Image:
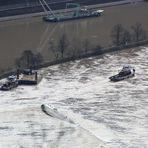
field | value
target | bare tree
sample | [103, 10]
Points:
[37, 60]
[62, 45]
[76, 52]
[76, 49]
[126, 38]
[28, 60]
[17, 63]
[117, 34]
[53, 49]
[25, 60]
[98, 49]
[2, 71]
[139, 33]
[86, 45]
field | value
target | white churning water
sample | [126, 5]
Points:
[104, 113]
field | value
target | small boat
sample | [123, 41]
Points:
[126, 72]
[11, 83]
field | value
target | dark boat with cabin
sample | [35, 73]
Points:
[126, 72]
[10, 83]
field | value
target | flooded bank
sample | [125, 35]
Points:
[34, 34]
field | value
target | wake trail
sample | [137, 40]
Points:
[102, 133]
[96, 129]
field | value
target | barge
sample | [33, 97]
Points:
[22, 77]
[27, 77]
[73, 16]
[73, 11]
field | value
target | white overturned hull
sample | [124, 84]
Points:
[51, 111]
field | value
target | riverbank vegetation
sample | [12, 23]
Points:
[64, 49]
[121, 38]
[29, 60]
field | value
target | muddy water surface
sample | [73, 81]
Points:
[34, 34]
[115, 114]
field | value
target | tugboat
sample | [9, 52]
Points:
[126, 72]
[11, 83]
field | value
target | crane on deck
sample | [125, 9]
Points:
[47, 8]
[72, 11]
[73, 5]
